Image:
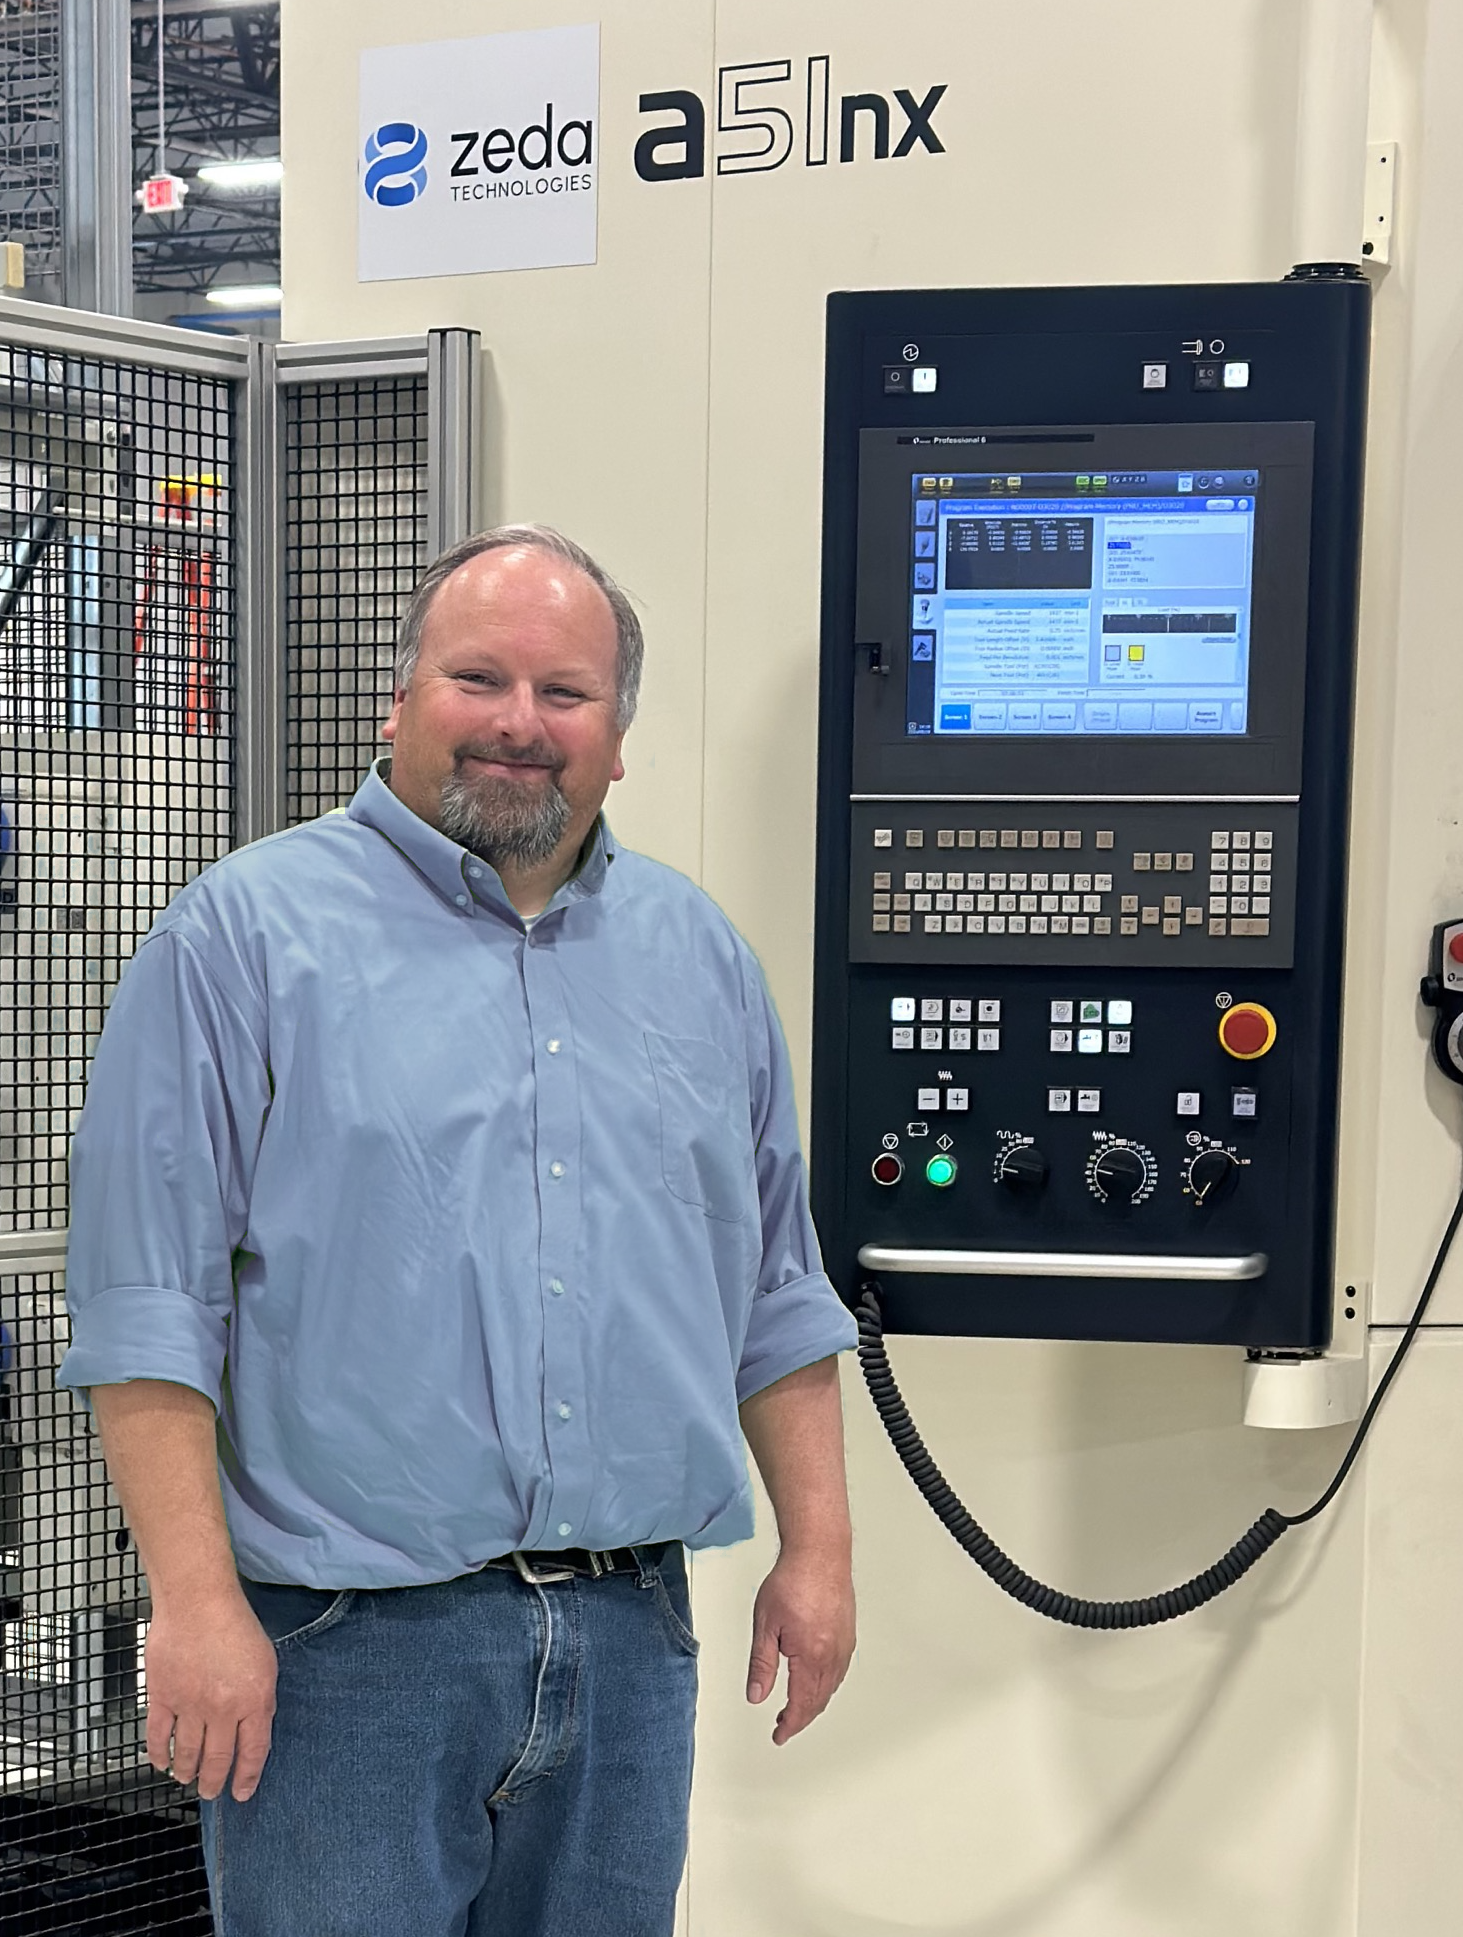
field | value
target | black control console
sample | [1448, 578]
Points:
[1088, 639]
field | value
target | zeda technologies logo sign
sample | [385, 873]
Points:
[396, 164]
[478, 154]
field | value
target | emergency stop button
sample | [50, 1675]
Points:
[1455, 946]
[1247, 1031]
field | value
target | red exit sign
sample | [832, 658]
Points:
[163, 194]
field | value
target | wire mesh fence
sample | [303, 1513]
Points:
[355, 544]
[117, 655]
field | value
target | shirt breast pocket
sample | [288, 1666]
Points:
[705, 1130]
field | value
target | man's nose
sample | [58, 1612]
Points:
[516, 712]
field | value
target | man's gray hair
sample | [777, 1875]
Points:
[629, 639]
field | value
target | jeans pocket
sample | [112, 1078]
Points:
[290, 1614]
[673, 1600]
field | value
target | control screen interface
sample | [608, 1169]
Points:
[1074, 602]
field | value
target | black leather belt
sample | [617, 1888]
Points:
[547, 1565]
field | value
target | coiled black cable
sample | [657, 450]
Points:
[1075, 1612]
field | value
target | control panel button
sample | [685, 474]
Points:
[1189, 1103]
[1089, 1102]
[959, 1010]
[932, 1009]
[927, 1100]
[1119, 1042]
[1089, 1042]
[940, 1171]
[932, 1039]
[1120, 1014]
[887, 1169]
[901, 1009]
[1061, 1042]
[1059, 1102]
[1244, 1103]
[1247, 1031]
[989, 1011]
[987, 1039]
[960, 1039]
[957, 1099]
[901, 1039]
[1062, 1011]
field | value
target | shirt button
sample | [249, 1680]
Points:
[461, 900]
[565, 1529]
[553, 1045]
[556, 1286]
[566, 1412]
[556, 1170]
[476, 873]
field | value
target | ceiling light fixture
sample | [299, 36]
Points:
[245, 295]
[260, 172]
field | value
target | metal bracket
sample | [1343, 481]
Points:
[1378, 204]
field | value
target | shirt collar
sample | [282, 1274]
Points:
[453, 871]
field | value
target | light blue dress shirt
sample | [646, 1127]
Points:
[475, 1232]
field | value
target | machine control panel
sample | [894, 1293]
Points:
[1173, 885]
[1086, 702]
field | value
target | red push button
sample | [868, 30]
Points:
[1247, 1031]
[1455, 947]
[887, 1169]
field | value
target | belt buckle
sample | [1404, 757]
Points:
[540, 1576]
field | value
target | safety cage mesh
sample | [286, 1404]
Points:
[355, 544]
[117, 655]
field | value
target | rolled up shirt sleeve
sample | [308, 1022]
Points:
[797, 1316]
[160, 1164]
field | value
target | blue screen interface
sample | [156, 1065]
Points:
[1078, 602]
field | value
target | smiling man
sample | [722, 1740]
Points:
[439, 1229]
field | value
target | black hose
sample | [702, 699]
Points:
[1075, 1612]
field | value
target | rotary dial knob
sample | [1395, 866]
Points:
[1022, 1169]
[1122, 1173]
[1211, 1175]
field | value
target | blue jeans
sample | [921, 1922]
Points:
[482, 1758]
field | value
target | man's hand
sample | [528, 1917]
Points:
[804, 1607]
[210, 1695]
[804, 1610]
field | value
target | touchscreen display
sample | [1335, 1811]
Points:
[1076, 602]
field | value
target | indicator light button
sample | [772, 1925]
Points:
[1247, 1031]
[887, 1168]
[940, 1171]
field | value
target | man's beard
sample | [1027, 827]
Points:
[503, 820]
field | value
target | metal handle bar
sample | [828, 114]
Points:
[1061, 1264]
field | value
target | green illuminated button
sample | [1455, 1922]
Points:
[940, 1171]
